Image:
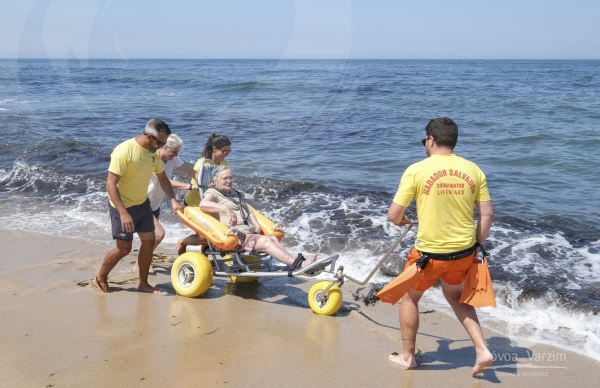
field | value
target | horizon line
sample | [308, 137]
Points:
[308, 59]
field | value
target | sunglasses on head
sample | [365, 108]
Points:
[425, 140]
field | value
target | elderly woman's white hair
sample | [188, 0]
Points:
[174, 142]
[216, 173]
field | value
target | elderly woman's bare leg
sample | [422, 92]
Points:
[273, 247]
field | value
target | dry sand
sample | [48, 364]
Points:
[58, 331]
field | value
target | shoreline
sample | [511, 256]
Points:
[59, 330]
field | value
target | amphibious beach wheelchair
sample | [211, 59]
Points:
[192, 273]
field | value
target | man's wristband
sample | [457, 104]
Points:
[191, 186]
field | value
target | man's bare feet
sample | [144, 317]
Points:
[148, 288]
[482, 363]
[136, 268]
[102, 286]
[309, 261]
[181, 249]
[407, 362]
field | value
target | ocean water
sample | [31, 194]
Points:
[320, 146]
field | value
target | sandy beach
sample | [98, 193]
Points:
[58, 331]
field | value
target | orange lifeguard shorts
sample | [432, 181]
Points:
[452, 272]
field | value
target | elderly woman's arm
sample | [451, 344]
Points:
[208, 205]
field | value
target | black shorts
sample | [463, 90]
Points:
[143, 220]
[156, 213]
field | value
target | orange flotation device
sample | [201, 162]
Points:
[221, 235]
[268, 227]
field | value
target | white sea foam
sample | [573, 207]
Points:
[23, 176]
[531, 253]
[88, 220]
[55, 221]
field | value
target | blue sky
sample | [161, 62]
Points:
[288, 29]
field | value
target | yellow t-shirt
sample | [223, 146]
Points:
[135, 165]
[446, 188]
[192, 197]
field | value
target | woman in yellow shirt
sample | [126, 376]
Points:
[216, 149]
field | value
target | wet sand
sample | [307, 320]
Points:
[57, 330]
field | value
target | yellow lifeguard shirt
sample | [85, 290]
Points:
[135, 165]
[446, 188]
[192, 197]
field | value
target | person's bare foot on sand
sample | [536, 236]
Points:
[482, 363]
[309, 261]
[102, 286]
[181, 249]
[136, 268]
[148, 288]
[408, 363]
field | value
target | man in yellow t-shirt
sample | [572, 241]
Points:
[131, 166]
[446, 188]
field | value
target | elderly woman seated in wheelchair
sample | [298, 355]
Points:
[228, 206]
[228, 227]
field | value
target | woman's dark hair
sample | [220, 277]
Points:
[214, 140]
